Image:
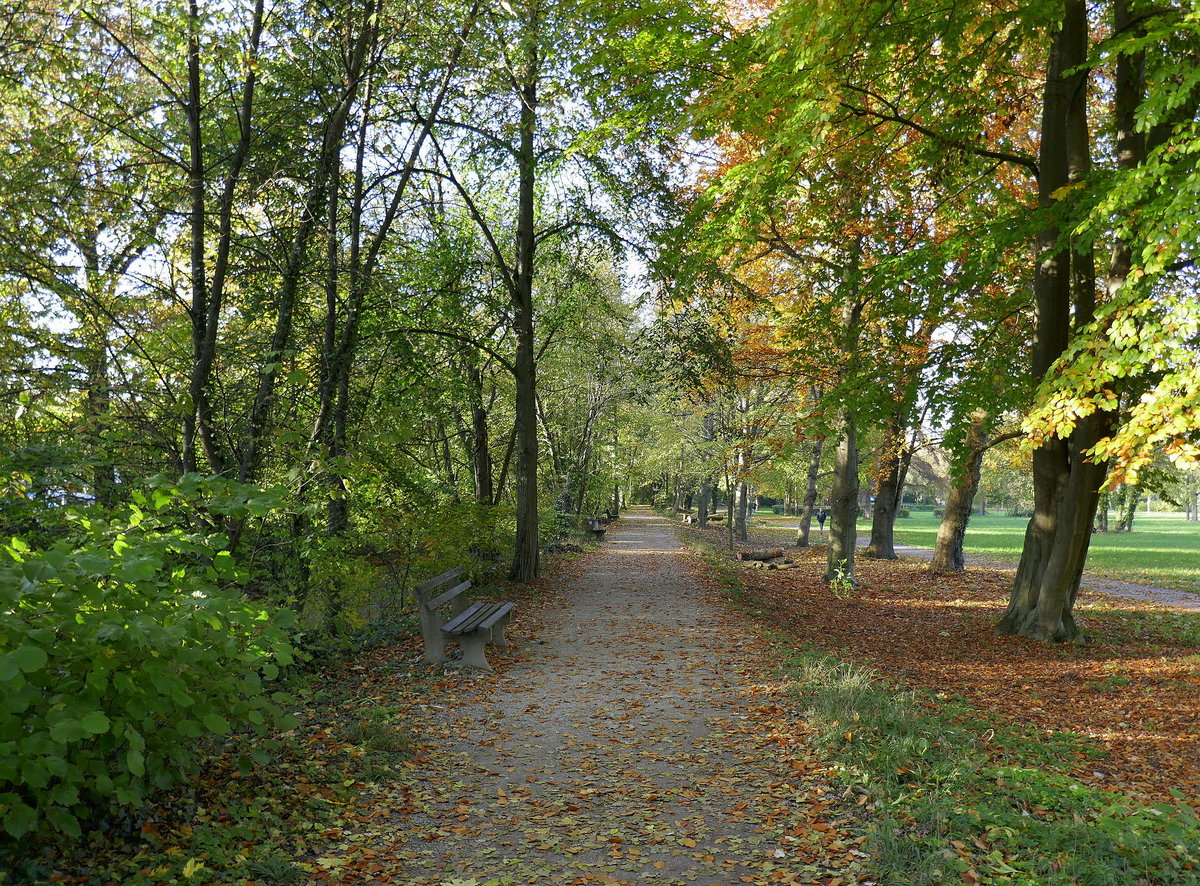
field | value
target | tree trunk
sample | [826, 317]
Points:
[741, 509]
[481, 455]
[888, 489]
[729, 504]
[443, 446]
[948, 551]
[208, 294]
[810, 493]
[502, 480]
[1066, 485]
[703, 497]
[843, 511]
[1129, 504]
[340, 347]
[95, 332]
[1052, 296]
[316, 202]
[525, 565]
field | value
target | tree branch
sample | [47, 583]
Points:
[896, 117]
[465, 339]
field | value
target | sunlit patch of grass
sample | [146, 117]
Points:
[960, 798]
[1163, 549]
[1149, 626]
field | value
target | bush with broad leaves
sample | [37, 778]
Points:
[123, 647]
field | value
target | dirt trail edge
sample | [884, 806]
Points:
[637, 743]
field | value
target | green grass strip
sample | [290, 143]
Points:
[958, 798]
[1163, 550]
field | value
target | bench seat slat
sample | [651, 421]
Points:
[474, 620]
[505, 609]
[478, 616]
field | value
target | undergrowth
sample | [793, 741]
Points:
[958, 797]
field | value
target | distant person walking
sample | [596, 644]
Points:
[821, 515]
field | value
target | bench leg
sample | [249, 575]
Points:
[435, 640]
[473, 647]
[498, 638]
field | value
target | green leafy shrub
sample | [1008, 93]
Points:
[122, 647]
[904, 513]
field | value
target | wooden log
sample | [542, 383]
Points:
[760, 555]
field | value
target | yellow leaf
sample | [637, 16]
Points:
[190, 869]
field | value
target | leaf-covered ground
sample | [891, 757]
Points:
[632, 739]
[638, 731]
[1134, 688]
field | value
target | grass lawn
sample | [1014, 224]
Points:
[1162, 550]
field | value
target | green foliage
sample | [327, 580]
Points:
[125, 645]
[841, 584]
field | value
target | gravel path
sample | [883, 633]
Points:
[638, 743]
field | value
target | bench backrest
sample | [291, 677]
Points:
[425, 589]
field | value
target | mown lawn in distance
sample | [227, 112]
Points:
[1162, 550]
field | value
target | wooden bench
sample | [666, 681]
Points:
[473, 625]
[597, 526]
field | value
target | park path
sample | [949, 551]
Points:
[1094, 583]
[633, 739]
[1115, 587]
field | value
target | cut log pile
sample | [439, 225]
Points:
[771, 559]
[775, 554]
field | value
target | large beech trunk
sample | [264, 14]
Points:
[1066, 484]
[1028, 610]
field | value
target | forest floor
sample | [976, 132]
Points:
[1133, 687]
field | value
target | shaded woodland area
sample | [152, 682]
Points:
[306, 302]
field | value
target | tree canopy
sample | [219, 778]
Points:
[297, 293]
